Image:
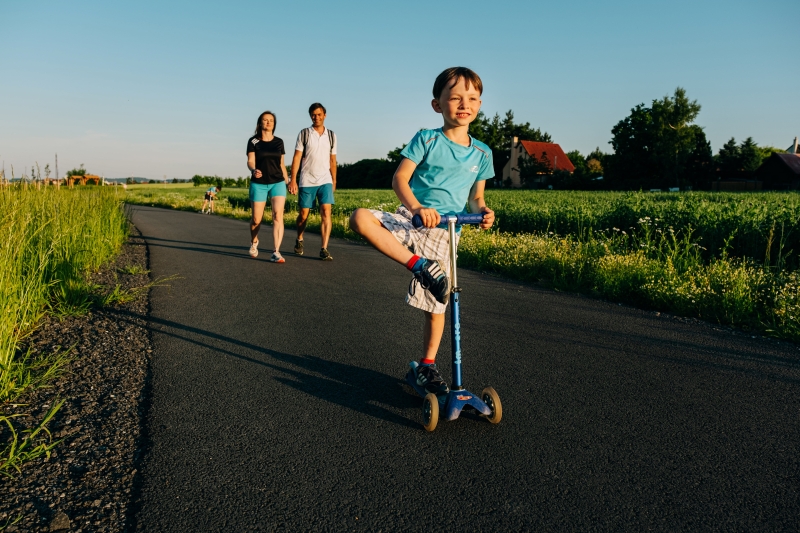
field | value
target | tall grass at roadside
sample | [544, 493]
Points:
[51, 239]
[724, 257]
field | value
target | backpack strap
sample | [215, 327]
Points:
[304, 140]
[330, 138]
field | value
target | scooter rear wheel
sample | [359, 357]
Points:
[490, 398]
[430, 411]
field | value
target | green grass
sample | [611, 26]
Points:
[51, 240]
[759, 226]
[730, 258]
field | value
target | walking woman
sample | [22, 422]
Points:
[267, 182]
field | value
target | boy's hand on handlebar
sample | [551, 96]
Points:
[488, 218]
[430, 217]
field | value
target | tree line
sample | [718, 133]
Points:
[655, 146]
[217, 181]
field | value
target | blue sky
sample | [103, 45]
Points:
[174, 88]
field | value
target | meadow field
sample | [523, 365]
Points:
[730, 258]
[51, 240]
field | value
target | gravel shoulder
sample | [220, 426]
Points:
[87, 484]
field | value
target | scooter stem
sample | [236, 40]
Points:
[455, 319]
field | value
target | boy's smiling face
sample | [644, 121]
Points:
[458, 104]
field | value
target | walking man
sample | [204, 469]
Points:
[314, 174]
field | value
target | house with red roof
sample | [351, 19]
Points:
[549, 153]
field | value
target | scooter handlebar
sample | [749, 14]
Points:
[470, 218]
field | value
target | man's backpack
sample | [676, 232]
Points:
[304, 138]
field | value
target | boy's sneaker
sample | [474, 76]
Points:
[325, 255]
[433, 279]
[298, 247]
[254, 248]
[277, 258]
[428, 378]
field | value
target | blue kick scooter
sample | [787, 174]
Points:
[452, 403]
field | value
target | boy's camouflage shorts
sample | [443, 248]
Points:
[430, 243]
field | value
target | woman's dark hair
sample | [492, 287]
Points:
[315, 106]
[258, 124]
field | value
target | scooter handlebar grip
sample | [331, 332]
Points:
[471, 218]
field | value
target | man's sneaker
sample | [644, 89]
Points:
[277, 258]
[428, 378]
[298, 247]
[325, 255]
[254, 248]
[433, 279]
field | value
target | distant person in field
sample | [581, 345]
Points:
[208, 200]
[268, 179]
[441, 172]
[314, 174]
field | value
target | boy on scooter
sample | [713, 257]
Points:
[441, 171]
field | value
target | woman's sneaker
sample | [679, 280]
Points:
[428, 378]
[433, 279]
[277, 258]
[325, 255]
[254, 248]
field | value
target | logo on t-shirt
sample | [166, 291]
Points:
[474, 169]
[254, 141]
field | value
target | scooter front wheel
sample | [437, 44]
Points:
[490, 398]
[430, 411]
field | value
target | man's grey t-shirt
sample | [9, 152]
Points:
[315, 167]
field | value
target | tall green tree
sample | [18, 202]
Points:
[577, 160]
[653, 145]
[751, 155]
[729, 157]
[699, 169]
[744, 157]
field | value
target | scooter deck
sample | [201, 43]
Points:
[452, 403]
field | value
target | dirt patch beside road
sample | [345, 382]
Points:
[88, 482]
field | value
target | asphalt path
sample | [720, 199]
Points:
[278, 403]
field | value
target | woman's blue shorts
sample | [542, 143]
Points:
[262, 193]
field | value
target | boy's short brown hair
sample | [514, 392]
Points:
[456, 73]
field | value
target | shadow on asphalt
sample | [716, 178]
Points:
[240, 247]
[210, 250]
[357, 388]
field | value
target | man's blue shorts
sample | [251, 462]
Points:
[261, 193]
[323, 194]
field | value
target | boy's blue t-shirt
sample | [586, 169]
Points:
[446, 170]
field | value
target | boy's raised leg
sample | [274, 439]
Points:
[428, 272]
[363, 222]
